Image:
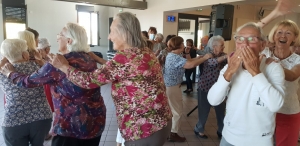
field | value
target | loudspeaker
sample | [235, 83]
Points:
[13, 3]
[221, 19]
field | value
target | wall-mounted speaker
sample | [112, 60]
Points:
[221, 20]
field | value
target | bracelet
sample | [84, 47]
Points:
[186, 53]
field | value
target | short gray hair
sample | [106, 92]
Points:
[13, 49]
[252, 25]
[159, 35]
[78, 36]
[213, 41]
[43, 43]
[129, 29]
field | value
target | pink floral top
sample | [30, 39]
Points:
[138, 91]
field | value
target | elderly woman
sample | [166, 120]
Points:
[44, 48]
[158, 45]
[254, 87]
[138, 89]
[79, 113]
[163, 53]
[284, 34]
[173, 73]
[210, 73]
[27, 117]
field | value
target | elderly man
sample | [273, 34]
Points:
[254, 87]
[204, 49]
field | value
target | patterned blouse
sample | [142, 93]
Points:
[173, 70]
[79, 113]
[210, 72]
[138, 91]
[24, 105]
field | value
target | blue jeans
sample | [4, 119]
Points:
[203, 111]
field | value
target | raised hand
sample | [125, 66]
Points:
[59, 61]
[234, 62]
[284, 7]
[7, 69]
[251, 61]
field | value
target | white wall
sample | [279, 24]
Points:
[154, 14]
[48, 17]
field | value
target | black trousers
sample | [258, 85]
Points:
[70, 141]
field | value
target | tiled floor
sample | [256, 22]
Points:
[189, 102]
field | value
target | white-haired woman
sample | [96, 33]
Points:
[209, 75]
[80, 114]
[27, 116]
[138, 90]
[158, 45]
[44, 48]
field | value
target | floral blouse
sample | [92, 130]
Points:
[138, 91]
[79, 113]
[23, 105]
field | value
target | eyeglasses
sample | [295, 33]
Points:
[59, 36]
[286, 33]
[251, 39]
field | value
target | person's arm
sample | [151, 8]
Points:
[216, 61]
[218, 92]
[293, 74]
[195, 62]
[283, 7]
[97, 59]
[271, 88]
[46, 74]
[111, 71]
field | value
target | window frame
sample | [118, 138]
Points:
[4, 16]
[98, 35]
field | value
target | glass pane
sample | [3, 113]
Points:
[84, 20]
[94, 27]
[12, 29]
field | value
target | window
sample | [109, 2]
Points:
[14, 20]
[89, 20]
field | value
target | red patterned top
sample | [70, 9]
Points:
[138, 91]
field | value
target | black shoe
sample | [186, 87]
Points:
[189, 91]
[219, 134]
[185, 91]
[201, 136]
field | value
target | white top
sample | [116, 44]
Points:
[291, 101]
[251, 104]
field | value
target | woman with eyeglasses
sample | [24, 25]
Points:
[80, 114]
[284, 35]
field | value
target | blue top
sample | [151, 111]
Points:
[173, 70]
[24, 105]
[79, 113]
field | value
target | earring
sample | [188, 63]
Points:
[292, 44]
